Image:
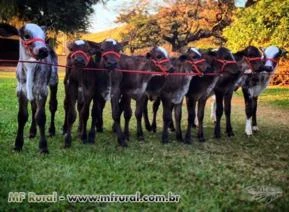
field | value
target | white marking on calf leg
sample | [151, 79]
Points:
[196, 121]
[29, 84]
[213, 109]
[255, 128]
[248, 129]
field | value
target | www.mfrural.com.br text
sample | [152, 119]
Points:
[54, 197]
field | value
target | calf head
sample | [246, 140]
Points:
[198, 61]
[32, 39]
[223, 61]
[249, 59]
[110, 54]
[160, 60]
[272, 55]
[82, 52]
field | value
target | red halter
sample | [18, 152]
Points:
[82, 53]
[114, 53]
[252, 59]
[159, 64]
[29, 42]
[196, 69]
[224, 63]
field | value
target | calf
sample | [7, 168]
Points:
[134, 85]
[200, 88]
[82, 55]
[256, 81]
[230, 72]
[172, 93]
[33, 80]
[106, 87]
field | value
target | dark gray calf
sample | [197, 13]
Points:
[33, 80]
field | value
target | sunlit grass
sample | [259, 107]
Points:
[210, 176]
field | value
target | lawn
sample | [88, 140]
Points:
[236, 174]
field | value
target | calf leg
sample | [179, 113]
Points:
[191, 104]
[65, 104]
[84, 114]
[99, 119]
[52, 107]
[227, 101]
[156, 105]
[40, 118]
[178, 117]
[33, 128]
[254, 117]
[22, 119]
[201, 110]
[91, 134]
[219, 113]
[167, 118]
[71, 98]
[116, 118]
[249, 111]
[126, 105]
[146, 116]
[138, 115]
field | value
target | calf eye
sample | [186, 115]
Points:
[159, 57]
[26, 36]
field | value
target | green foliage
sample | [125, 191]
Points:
[58, 15]
[265, 23]
[177, 23]
[210, 176]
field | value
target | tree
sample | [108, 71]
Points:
[142, 29]
[262, 24]
[179, 22]
[58, 15]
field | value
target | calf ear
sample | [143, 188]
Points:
[239, 55]
[93, 47]
[283, 52]
[44, 28]
[183, 57]
[71, 46]
[124, 43]
[148, 55]
[7, 30]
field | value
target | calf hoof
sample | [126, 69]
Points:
[32, 133]
[99, 130]
[44, 151]
[154, 127]
[17, 149]
[188, 139]
[91, 138]
[148, 127]
[122, 143]
[165, 141]
[202, 139]
[179, 138]
[51, 131]
[113, 128]
[172, 129]
[230, 134]
[255, 128]
[67, 141]
[140, 138]
[64, 130]
[217, 136]
[126, 137]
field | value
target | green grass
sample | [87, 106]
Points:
[210, 176]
